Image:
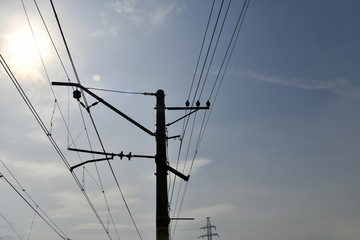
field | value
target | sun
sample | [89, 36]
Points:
[22, 49]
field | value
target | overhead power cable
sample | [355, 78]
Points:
[201, 48]
[118, 91]
[75, 72]
[35, 209]
[192, 83]
[186, 121]
[214, 51]
[32, 224]
[207, 52]
[11, 226]
[92, 119]
[226, 58]
[51, 39]
[31, 199]
[51, 139]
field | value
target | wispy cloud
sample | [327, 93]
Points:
[145, 15]
[187, 166]
[215, 210]
[339, 85]
[41, 171]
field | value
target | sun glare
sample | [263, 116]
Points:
[23, 51]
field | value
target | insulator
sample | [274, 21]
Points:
[208, 103]
[198, 103]
[187, 103]
[77, 94]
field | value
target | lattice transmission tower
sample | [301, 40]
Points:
[208, 228]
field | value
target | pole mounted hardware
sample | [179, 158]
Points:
[195, 109]
[111, 156]
[162, 166]
[89, 161]
[69, 84]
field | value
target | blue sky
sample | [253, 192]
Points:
[279, 156]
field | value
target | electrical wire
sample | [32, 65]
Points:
[206, 117]
[192, 83]
[231, 43]
[32, 224]
[207, 52]
[46, 72]
[201, 48]
[49, 132]
[86, 105]
[222, 78]
[236, 29]
[214, 51]
[51, 39]
[35, 209]
[186, 121]
[118, 91]
[51, 139]
[29, 197]
[11, 226]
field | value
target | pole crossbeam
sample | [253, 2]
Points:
[162, 167]
[105, 103]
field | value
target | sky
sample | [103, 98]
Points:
[278, 157]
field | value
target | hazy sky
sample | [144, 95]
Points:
[279, 157]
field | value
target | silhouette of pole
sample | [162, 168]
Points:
[162, 211]
[162, 167]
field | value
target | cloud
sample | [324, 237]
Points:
[145, 15]
[339, 85]
[214, 210]
[40, 170]
[186, 167]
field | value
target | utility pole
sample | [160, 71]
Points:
[162, 211]
[162, 167]
[208, 229]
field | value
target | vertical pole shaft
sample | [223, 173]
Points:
[162, 212]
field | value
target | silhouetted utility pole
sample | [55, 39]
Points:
[162, 211]
[162, 167]
[208, 230]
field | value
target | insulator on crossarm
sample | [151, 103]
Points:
[198, 103]
[208, 103]
[77, 94]
[187, 103]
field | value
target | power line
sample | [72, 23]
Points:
[201, 48]
[118, 91]
[193, 101]
[247, 2]
[35, 209]
[74, 69]
[208, 50]
[237, 28]
[51, 139]
[214, 51]
[11, 226]
[32, 224]
[32, 200]
[205, 118]
[51, 39]
[92, 120]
